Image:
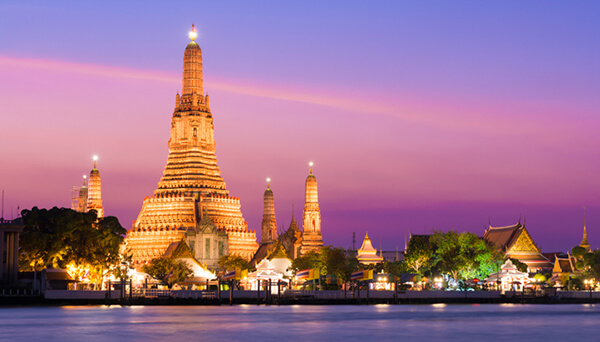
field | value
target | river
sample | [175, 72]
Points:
[438, 322]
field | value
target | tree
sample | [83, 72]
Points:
[328, 260]
[579, 252]
[592, 264]
[306, 261]
[167, 269]
[62, 237]
[521, 266]
[233, 262]
[419, 254]
[447, 257]
[464, 255]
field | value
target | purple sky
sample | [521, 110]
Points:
[418, 116]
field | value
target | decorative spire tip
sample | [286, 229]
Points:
[193, 34]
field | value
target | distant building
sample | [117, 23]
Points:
[291, 239]
[392, 256]
[95, 191]
[515, 242]
[584, 241]
[89, 197]
[9, 250]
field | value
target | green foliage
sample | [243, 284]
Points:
[540, 278]
[160, 268]
[464, 255]
[233, 262]
[575, 284]
[419, 254]
[578, 252]
[309, 260]
[592, 264]
[60, 236]
[521, 266]
[328, 260]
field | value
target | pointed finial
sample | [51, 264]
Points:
[193, 34]
[95, 162]
[311, 167]
[84, 177]
[268, 183]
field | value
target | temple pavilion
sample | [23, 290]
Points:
[510, 278]
[516, 242]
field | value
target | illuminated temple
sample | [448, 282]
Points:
[516, 242]
[191, 185]
[86, 198]
[312, 239]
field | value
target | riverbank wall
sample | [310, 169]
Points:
[291, 297]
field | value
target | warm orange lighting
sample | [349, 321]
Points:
[193, 34]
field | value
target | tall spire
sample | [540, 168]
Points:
[312, 239]
[584, 242]
[94, 200]
[83, 196]
[269, 224]
[192, 68]
[191, 187]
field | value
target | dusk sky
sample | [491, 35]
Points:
[417, 115]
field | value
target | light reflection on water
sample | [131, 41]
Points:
[300, 323]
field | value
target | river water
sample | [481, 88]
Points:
[438, 322]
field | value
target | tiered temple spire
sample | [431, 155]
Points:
[269, 223]
[191, 183]
[584, 242]
[311, 229]
[95, 191]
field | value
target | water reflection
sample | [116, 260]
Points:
[299, 323]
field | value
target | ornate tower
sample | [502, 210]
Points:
[367, 254]
[191, 183]
[584, 242]
[83, 196]
[269, 224]
[94, 191]
[311, 228]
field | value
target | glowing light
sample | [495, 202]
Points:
[193, 34]
[95, 158]
[84, 176]
[311, 164]
[268, 180]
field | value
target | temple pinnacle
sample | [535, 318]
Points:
[95, 162]
[311, 167]
[268, 183]
[193, 34]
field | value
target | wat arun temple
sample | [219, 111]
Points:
[192, 203]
